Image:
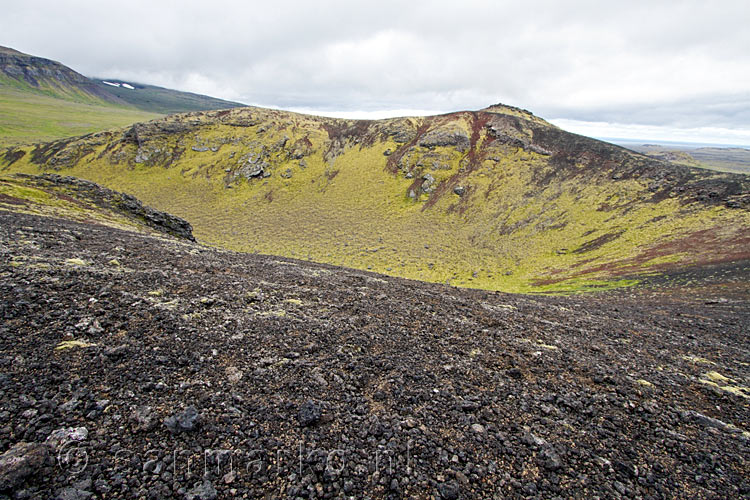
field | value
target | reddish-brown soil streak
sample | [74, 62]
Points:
[698, 247]
[392, 163]
[473, 159]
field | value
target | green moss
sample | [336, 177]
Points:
[75, 262]
[73, 344]
[717, 377]
[726, 384]
[24, 193]
[27, 117]
[275, 313]
[346, 207]
[698, 360]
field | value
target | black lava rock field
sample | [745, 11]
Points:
[142, 366]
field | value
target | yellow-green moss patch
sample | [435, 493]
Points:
[73, 344]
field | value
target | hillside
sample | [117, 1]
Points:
[42, 100]
[497, 199]
[139, 365]
[160, 100]
[29, 73]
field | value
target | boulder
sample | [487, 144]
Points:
[446, 137]
[19, 462]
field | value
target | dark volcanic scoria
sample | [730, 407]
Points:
[134, 366]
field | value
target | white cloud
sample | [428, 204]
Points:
[654, 133]
[675, 64]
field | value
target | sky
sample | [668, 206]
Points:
[651, 70]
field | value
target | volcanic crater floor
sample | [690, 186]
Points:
[135, 366]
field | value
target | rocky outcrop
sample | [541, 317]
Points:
[446, 137]
[125, 203]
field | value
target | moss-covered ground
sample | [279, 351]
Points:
[470, 199]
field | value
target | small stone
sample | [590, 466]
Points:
[153, 466]
[117, 352]
[65, 434]
[95, 328]
[410, 423]
[144, 418]
[478, 428]
[530, 488]
[448, 491]
[317, 376]
[205, 491]
[234, 374]
[459, 190]
[625, 468]
[309, 413]
[30, 413]
[550, 459]
[102, 487]
[185, 421]
[73, 494]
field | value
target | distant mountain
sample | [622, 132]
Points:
[497, 198]
[25, 72]
[160, 100]
[41, 99]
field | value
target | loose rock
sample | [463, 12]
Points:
[185, 421]
[19, 462]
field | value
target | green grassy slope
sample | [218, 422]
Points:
[496, 199]
[27, 117]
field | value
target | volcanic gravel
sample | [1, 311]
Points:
[133, 366]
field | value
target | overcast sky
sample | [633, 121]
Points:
[675, 70]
